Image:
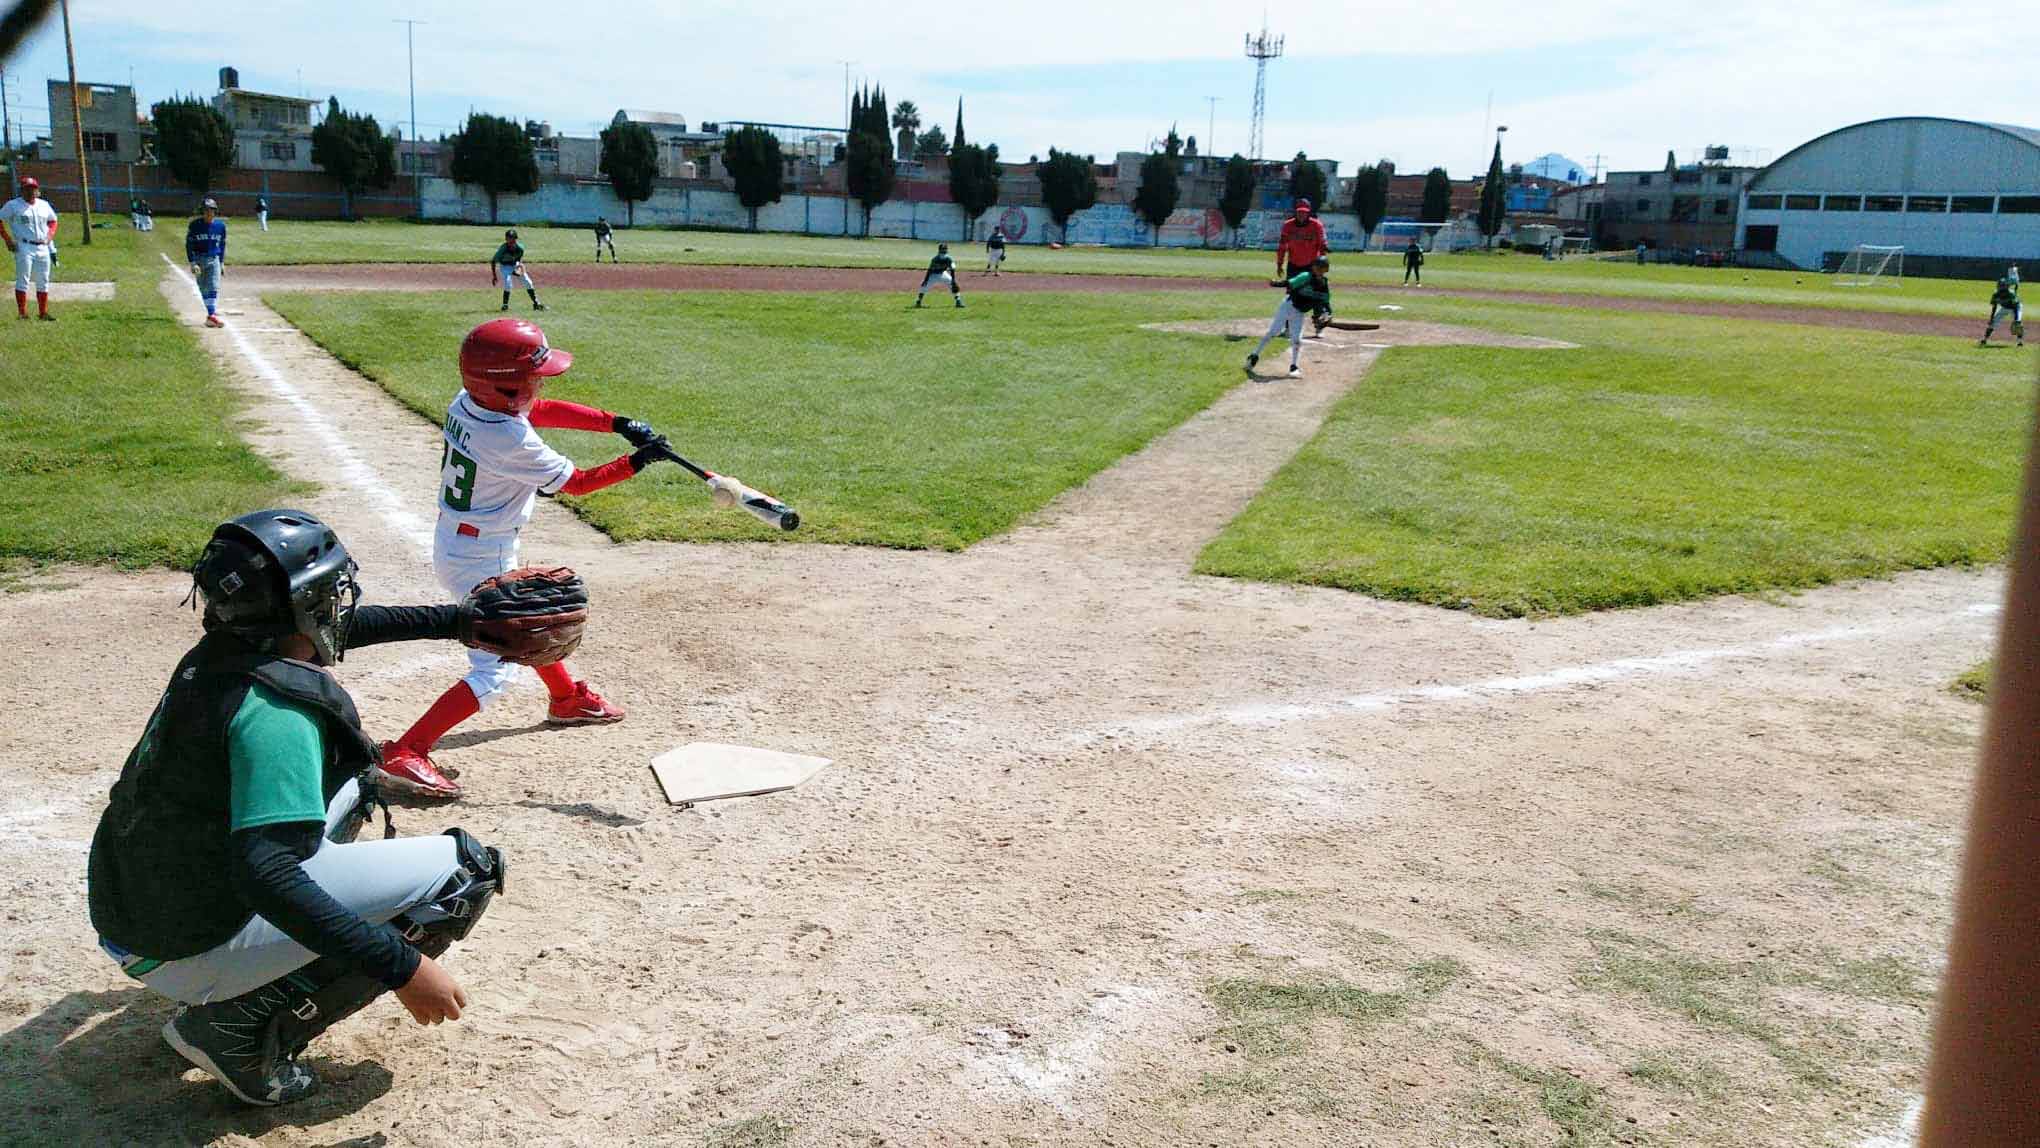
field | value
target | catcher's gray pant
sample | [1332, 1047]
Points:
[462, 563]
[376, 879]
[1289, 318]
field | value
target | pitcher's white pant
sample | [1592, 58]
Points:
[1286, 316]
[517, 272]
[262, 217]
[461, 563]
[993, 257]
[32, 264]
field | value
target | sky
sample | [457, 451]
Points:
[1612, 83]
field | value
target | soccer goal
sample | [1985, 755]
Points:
[1872, 265]
[1394, 235]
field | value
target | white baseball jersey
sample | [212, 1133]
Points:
[28, 222]
[493, 468]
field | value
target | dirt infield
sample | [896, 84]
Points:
[1110, 853]
[685, 277]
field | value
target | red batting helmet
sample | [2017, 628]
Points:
[504, 362]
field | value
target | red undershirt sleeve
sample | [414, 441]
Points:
[556, 413]
[608, 474]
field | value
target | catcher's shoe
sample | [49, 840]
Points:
[407, 771]
[235, 1041]
[1295, 372]
[582, 707]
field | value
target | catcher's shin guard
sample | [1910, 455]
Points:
[452, 912]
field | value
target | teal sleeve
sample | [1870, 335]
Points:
[276, 756]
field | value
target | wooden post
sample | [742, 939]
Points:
[78, 134]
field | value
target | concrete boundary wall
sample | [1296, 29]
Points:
[1110, 225]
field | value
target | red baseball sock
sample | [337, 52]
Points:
[559, 681]
[42, 302]
[21, 302]
[453, 707]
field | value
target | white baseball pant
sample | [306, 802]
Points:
[517, 272]
[1286, 317]
[32, 265]
[461, 563]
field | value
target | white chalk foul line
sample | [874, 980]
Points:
[355, 472]
[1489, 689]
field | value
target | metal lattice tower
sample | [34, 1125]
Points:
[1260, 49]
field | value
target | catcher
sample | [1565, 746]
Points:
[224, 873]
[492, 468]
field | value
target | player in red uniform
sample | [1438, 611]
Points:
[1302, 241]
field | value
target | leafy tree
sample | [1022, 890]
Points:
[934, 141]
[974, 181]
[194, 140]
[1370, 198]
[1493, 201]
[630, 158]
[1069, 184]
[752, 155]
[1159, 188]
[1238, 197]
[494, 154]
[1307, 181]
[1437, 196]
[870, 173]
[353, 150]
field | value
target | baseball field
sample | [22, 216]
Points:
[1534, 724]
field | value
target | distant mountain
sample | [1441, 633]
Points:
[1556, 166]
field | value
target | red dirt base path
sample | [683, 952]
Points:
[700, 277]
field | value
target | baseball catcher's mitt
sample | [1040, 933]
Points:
[530, 616]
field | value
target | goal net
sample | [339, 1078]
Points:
[1872, 265]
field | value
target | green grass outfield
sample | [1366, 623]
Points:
[1668, 458]
[116, 436]
[400, 242]
[883, 425]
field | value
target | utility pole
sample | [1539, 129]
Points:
[1210, 125]
[6, 124]
[411, 66]
[846, 98]
[1260, 49]
[77, 133]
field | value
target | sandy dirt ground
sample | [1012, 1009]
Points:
[1109, 854]
[677, 277]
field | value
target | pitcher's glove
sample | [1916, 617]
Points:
[529, 616]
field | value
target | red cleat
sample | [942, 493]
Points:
[407, 771]
[582, 707]
[214, 321]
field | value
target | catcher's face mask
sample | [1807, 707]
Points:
[323, 611]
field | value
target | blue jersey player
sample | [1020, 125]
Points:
[205, 248]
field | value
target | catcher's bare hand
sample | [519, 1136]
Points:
[529, 616]
[431, 995]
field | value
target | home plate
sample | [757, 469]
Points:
[710, 771]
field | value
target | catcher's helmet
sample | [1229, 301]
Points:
[274, 573]
[1322, 263]
[504, 362]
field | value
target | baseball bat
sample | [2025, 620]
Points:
[760, 505]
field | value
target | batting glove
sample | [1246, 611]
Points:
[637, 432]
